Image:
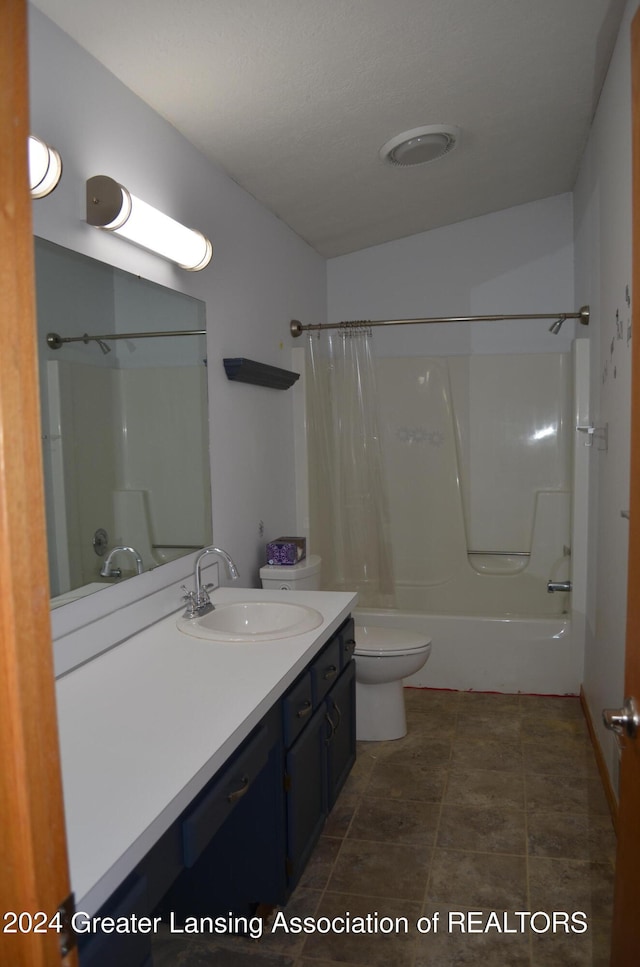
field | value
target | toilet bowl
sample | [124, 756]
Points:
[384, 657]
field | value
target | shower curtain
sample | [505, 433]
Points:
[349, 516]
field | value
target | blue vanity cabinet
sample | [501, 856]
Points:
[232, 835]
[320, 740]
[341, 741]
[124, 949]
[305, 783]
[244, 840]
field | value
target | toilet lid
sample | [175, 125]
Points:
[387, 642]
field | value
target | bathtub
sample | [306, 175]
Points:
[490, 654]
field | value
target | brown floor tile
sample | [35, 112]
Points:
[549, 728]
[489, 703]
[357, 783]
[174, 951]
[562, 950]
[339, 819]
[570, 794]
[571, 757]
[488, 727]
[318, 963]
[394, 949]
[572, 836]
[485, 788]
[496, 754]
[320, 865]
[487, 881]
[427, 700]
[390, 780]
[482, 829]
[468, 950]
[418, 750]
[561, 884]
[395, 821]
[431, 726]
[567, 707]
[418, 745]
[600, 942]
[381, 869]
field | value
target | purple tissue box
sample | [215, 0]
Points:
[286, 550]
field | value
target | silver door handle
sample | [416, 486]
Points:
[623, 721]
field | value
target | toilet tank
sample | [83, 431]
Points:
[304, 576]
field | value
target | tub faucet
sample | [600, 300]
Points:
[199, 602]
[558, 586]
[106, 571]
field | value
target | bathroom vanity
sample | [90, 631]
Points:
[198, 774]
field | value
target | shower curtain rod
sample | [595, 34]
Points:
[54, 341]
[297, 328]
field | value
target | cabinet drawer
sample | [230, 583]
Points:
[347, 642]
[325, 670]
[235, 780]
[297, 707]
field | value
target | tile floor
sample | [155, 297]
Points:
[490, 803]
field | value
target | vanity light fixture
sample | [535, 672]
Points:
[45, 167]
[111, 207]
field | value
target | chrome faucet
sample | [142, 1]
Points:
[199, 601]
[558, 586]
[106, 571]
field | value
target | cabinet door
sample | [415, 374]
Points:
[341, 741]
[233, 836]
[306, 785]
[124, 949]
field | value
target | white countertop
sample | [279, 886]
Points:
[145, 725]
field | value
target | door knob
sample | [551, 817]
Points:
[623, 721]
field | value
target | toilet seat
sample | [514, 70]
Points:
[377, 642]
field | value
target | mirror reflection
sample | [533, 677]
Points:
[124, 423]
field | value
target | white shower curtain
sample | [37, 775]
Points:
[349, 517]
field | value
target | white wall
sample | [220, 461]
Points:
[261, 275]
[510, 262]
[602, 208]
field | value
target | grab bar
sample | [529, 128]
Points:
[502, 553]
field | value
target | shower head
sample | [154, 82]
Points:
[556, 326]
[103, 346]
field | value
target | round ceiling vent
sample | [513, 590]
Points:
[420, 146]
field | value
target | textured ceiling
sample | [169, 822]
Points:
[293, 98]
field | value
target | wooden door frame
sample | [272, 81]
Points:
[626, 924]
[33, 860]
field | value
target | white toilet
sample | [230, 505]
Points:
[384, 657]
[304, 576]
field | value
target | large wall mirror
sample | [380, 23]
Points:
[124, 422]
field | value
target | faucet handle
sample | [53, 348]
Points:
[192, 601]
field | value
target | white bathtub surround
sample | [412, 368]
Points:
[476, 461]
[492, 654]
[477, 458]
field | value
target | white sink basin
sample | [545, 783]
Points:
[252, 621]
